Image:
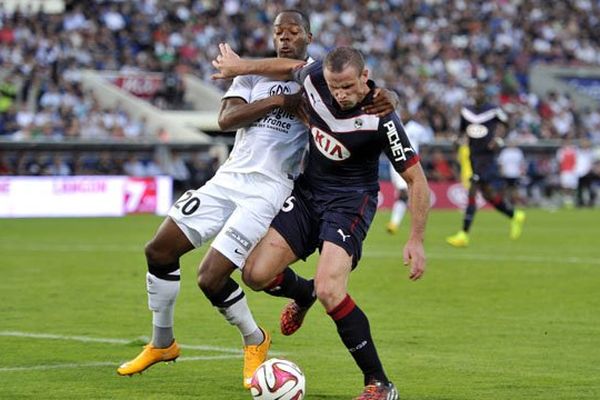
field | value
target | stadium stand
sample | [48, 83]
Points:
[431, 52]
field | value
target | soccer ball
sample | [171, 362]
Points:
[277, 379]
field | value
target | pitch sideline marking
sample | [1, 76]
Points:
[106, 363]
[87, 339]
[232, 353]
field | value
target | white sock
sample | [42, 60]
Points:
[398, 212]
[239, 315]
[161, 299]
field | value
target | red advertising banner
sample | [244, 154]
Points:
[444, 195]
[143, 85]
[140, 195]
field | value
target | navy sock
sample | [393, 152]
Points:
[288, 284]
[354, 330]
[503, 206]
[469, 215]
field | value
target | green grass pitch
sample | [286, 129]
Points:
[498, 320]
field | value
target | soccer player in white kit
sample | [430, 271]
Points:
[237, 205]
[418, 132]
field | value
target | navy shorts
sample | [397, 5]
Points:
[308, 218]
[486, 171]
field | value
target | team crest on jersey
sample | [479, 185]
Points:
[358, 123]
[477, 131]
[329, 146]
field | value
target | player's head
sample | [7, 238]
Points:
[479, 94]
[346, 76]
[291, 34]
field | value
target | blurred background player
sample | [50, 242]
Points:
[418, 132]
[512, 168]
[480, 123]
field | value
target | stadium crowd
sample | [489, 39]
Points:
[430, 51]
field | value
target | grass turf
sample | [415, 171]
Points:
[498, 320]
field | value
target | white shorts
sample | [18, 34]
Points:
[397, 181]
[569, 180]
[234, 208]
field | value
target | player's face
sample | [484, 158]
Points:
[289, 36]
[479, 95]
[348, 87]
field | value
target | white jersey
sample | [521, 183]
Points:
[237, 205]
[512, 162]
[417, 134]
[273, 145]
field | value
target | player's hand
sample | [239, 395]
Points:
[296, 104]
[414, 258]
[496, 143]
[228, 63]
[384, 102]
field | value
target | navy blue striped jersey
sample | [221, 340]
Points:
[345, 145]
[479, 124]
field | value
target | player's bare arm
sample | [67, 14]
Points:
[230, 65]
[414, 252]
[236, 113]
[384, 102]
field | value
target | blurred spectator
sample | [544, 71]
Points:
[202, 169]
[586, 195]
[133, 166]
[438, 168]
[6, 167]
[172, 92]
[177, 169]
[107, 165]
[135, 128]
[512, 168]
[8, 122]
[8, 93]
[57, 167]
[567, 161]
[153, 167]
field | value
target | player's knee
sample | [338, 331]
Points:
[158, 255]
[211, 279]
[254, 278]
[328, 293]
[207, 281]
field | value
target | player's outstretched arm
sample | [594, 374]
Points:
[418, 203]
[231, 65]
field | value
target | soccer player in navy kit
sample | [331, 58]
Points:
[480, 123]
[333, 202]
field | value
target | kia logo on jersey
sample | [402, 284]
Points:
[279, 89]
[477, 131]
[329, 146]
